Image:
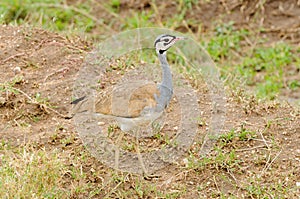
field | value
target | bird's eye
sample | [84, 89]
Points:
[166, 40]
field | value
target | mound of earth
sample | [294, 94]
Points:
[38, 70]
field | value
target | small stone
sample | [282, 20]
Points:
[185, 161]
[101, 123]
[2, 100]
[17, 70]
[191, 182]
[298, 184]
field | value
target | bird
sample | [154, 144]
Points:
[139, 103]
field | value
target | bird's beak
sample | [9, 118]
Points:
[180, 38]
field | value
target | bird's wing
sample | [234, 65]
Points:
[128, 100]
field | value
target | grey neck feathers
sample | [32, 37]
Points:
[166, 71]
[166, 86]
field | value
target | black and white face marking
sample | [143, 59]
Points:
[164, 42]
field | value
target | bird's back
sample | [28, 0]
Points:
[128, 99]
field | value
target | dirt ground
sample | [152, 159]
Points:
[38, 69]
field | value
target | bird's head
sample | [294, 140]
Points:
[164, 42]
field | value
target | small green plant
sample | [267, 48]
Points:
[264, 69]
[115, 5]
[163, 138]
[128, 146]
[239, 135]
[226, 161]
[186, 4]
[111, 129]
[67, 141]
[225, 40]
[228, 137]
[255, 189]
[39, 99]
[245, 135]
[36, 118]
[9, 85]
[294, 84]
[139, 20]
[196, 164]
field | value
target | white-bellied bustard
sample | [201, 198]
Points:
[140, 103]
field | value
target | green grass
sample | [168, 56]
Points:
[50, 14]
[224, 41]
[265, 68]
[227, 163]
[255, 189]
[261, 68]
[28, 173]
[138, 20]
[186, 4]
[242, 135]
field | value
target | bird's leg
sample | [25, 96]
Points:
[117, 149]
[146, 174]
[137, 132]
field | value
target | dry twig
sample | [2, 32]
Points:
[252, 148]
[268, 165]
[12, 57]
[44, 106]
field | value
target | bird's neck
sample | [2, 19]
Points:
[166, 87]
[166, 72]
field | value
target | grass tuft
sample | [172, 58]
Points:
[28, 173]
